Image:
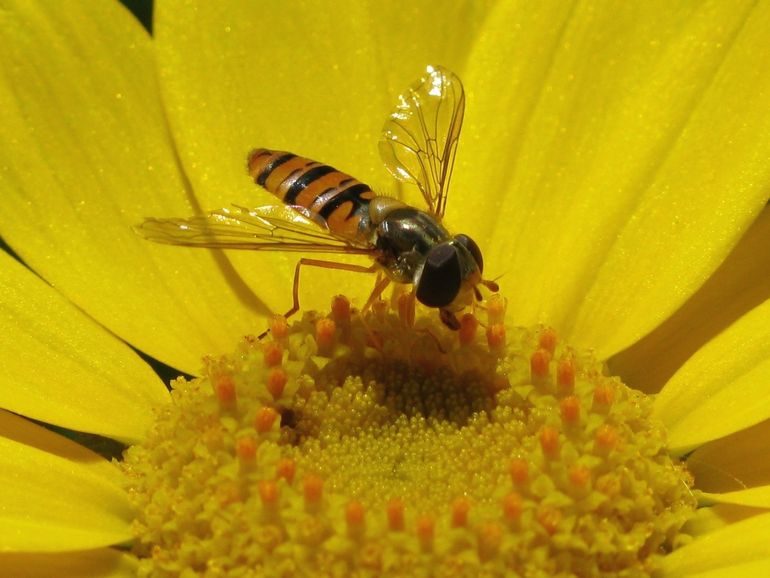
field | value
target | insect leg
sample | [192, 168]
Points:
[325, 265]
[379, 286]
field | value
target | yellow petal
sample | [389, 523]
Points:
[737, 286]
[57, 496]
[723, 387]
[317, 79]
[631, 146]
[733, 462]
[62, 368]
[754, 497]
[86, 155]
[741, 543]
[749, 569]
[103, 563]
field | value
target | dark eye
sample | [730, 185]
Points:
[473, 249]
[440, 279]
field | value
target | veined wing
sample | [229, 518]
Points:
[268, 228]
[419, 139]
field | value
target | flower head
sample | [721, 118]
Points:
[353, 442]
[612, 158]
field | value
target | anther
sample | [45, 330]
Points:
[354, 517]
[549, 441]
[604, 395]
[570, 410]
[246, 450]
[325, 330]
[380, 309]
[268, 493]
[266, 417]
[496, 336]
[606, 437]
[608, 484]
[489, 538]
[269, 537]
[224, 388]
[276, 381]
[279, 327]
[312, 488]
[311, 531]
[519, 470]
[460, 508]
[549, 518]
[228, 493]
[539, 366]
[512, 505]
[286, 468]
[371, 557]
[395, 513]
[341, 309]
[468, 327]
[565, 375]
[547, 339]
[579, 476]
[272, 354]
[495, 309]
[425, 526]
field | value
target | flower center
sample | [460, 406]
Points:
[355, 443]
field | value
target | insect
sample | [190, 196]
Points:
[324, 210]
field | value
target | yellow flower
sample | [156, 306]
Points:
[612, 157]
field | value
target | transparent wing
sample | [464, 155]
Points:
[419, 139]
[268, 228]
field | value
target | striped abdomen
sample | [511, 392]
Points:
[337, 198]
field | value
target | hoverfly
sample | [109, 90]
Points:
[327, 211]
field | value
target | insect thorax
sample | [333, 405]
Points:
[403, 239]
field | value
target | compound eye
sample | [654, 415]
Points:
[473, 249]
[440, 279]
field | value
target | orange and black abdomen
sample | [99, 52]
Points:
[336, 197]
